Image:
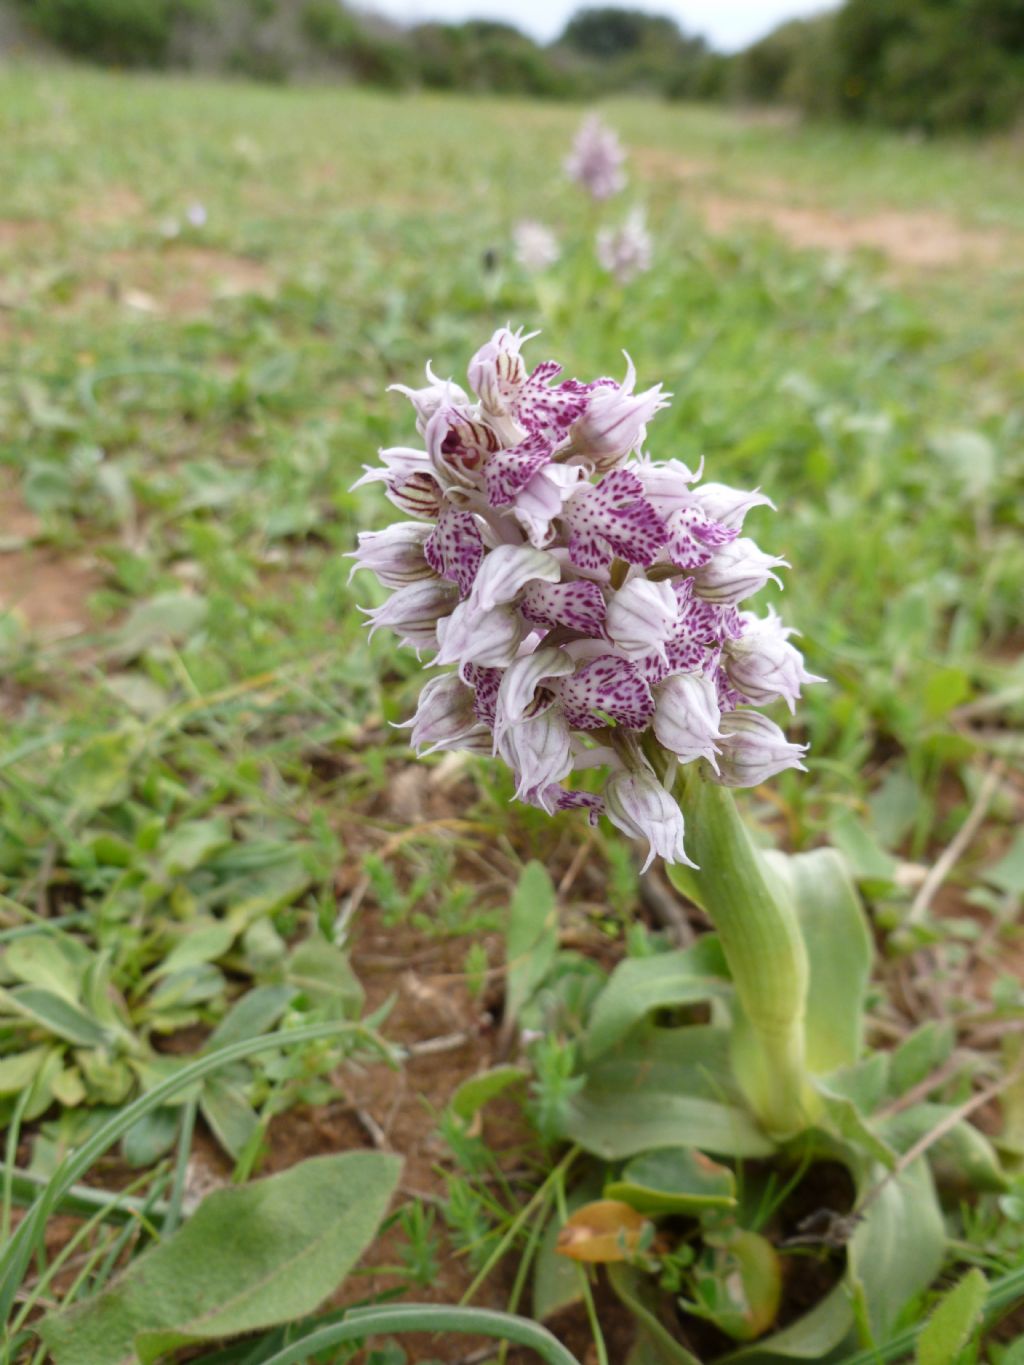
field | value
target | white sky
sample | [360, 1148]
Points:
[728, 24]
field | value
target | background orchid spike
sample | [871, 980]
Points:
[587, 596]
[536, 246]
[626, 251]
[597, 159]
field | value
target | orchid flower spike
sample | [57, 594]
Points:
[586, 600]
[597, 159]
[626, 251]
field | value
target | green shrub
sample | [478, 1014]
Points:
[116, 32]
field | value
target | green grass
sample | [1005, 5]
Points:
[181, 417]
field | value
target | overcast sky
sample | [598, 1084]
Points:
[727, 23]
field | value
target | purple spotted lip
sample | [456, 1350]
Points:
[586, 598]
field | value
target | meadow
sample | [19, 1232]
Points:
[211, 829]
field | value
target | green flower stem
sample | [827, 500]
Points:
[765, 952]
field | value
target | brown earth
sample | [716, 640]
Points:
[179, 281]
[49, 590]
[921, 240]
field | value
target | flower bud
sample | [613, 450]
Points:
[413, 612]
[687, 717]
[639, 805]
[752, 748]
[395, 554]
[728, 505]
[445, 716]
[539, 752]
[615, 421]
[763, 665]
[518, 690]
[735, 572]
[497, 371]
[435, 394]
[474, 636]
[641, 616]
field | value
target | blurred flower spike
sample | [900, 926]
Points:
[536, 246]
[585, 598]
[626, 251]
[597, 159]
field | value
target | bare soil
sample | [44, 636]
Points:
[179, 281]
[49, 590]
[918, 240]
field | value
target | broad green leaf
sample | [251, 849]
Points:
[640, 985]
[99, 774]
[256, 1012]
[107, 1078]
[471, 1096]
[171, 616]
[531, 939]
[69, 1088]
[264, 891]
[191, 985]
[962, 1160]
[52, 961]
[869, 863]
[899, 1248]
[843, 1118]
[664, 1088]
[205, 940]
[921, 1053]
[190, 844]
[226, 1108]
[839, 952]
[953, 1322]
[738, 1283]
[249, 1258]
[812, 1338]
[21, 1069]
[321, 973]
[151, 1138]
[54, 1013]
[674, 1180]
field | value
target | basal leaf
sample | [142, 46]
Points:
[54, 1013]
[838, 944]
[664, 1088]
[531, 938]
[249, 1258]
[898, 1249]
[674, 1180]
[321, 973]
[471, 1096]
[640, 985]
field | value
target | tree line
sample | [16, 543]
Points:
[931, 65]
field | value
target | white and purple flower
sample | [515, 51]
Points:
[597, 159]
[586, 598]
[536, 246]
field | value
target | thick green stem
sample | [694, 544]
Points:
[765, 953]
